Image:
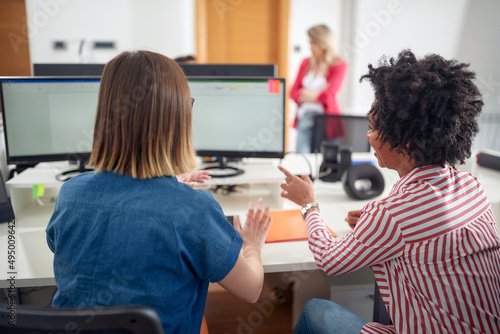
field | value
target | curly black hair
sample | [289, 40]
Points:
[425, 108]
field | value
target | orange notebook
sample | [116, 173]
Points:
[288, 225]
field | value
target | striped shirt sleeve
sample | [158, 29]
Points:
[376, 239]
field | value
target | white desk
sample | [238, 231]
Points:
[34, 259]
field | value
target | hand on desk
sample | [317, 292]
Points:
[299, 190]
[352, 218]
[197, 176]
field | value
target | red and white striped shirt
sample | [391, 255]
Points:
[434, 248]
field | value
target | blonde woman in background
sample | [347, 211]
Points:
[315, 89]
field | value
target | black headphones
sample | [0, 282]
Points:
[363, 181]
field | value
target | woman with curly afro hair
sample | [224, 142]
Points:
[432, 242]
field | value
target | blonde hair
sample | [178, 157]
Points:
[322, 36]
[143, 120]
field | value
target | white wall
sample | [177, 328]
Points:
[164, 26]
[425, 26]
[466, 30]
[385, 27]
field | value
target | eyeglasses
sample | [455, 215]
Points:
[192, 102]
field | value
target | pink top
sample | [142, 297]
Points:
[434, 248]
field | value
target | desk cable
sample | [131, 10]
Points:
[311, 176]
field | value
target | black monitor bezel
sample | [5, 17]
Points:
[229, 70]
[67, 69]
[245, 154]
[190, 69]
[32, 160]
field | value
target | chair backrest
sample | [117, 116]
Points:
[354, 135]
[95, 320]
[6, 211]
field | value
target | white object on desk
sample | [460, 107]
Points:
[263, 180]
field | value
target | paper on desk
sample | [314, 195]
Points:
[288, 225]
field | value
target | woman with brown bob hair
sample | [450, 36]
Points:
[150, 94]
[130, 232]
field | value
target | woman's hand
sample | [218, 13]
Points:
[309, 95]
[299, 190]
[256, 226]
[197, 176]
[352, 218]
[246, 279]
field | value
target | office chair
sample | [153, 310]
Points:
[380, 313]
[355, 128]
[204, 326]
[105, 320]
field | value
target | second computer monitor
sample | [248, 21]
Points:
[238, 117]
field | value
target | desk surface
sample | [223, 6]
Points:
[34, 259]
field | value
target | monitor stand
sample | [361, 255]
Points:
[68, 174]
[19, 169]
[221, 165]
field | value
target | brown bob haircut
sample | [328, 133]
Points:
[143, 121]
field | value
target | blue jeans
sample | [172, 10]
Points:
[304, 133]
[321, 316]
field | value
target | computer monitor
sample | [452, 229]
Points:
[52, 118]
[66, 69]
[230, 70]
[48, 118]
[354, 130]
[237, 117]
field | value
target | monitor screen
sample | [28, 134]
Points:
[48, 118]
[354, 129]
[238, 117]
[229, 70]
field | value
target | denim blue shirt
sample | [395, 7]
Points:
[156, 242]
